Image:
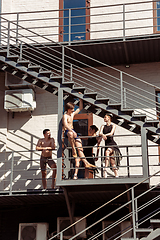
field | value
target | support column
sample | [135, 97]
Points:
[144, 147]
[59, 137]
[70, 210]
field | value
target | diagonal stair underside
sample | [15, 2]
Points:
[99, 107]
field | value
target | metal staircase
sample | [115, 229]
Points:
[49, 68]
[144, 222]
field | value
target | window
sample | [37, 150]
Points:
[80, 20]
[156, 16]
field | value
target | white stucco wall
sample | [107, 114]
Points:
[106, 21]
[21, 133]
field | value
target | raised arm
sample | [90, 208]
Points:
[80, 107]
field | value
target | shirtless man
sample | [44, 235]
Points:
[46, 145]
[72, 135]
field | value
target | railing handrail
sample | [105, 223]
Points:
[100, 6]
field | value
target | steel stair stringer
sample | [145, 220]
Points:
[120, 117]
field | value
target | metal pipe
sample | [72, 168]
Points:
[11, 176]
[121, 86]
[8, 39]
[124, 37]
[133, 214]
[17, 24]
[69, 27]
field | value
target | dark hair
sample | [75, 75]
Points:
[45, 130]
[69, 105]
[94, 127]
[110, 115]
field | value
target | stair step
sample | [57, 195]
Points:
[153, 123]
[144, 230]
[115, 105]
[79, 89]
[46, 73]
[13, 57]
[68, 84]
[140, 117]
[24, 63]
[127, 111]
[91, 95]
[34, 68]
[154, 221]
[3, 53]
[103, 100]
[56, 79]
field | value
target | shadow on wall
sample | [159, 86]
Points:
[25, 163]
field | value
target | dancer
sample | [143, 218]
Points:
[74, 140]
[88, 152]
[111, 148]
[46, 145]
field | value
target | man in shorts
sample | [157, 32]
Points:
[74, 140]
[46, 145]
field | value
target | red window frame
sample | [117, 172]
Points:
[61, 20]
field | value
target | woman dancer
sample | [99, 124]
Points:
[111, 148]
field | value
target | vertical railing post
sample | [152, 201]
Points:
[20, 56]
[124, 37]
[125, 98]
[71, 72]
[17, 29]
[128, 161]
[121, 82]
[144, 147]
[69, 32]
[136, 210]
[8, 41]
[133, 214]
[62, 64]
[59, 136]
[11, 176]
[61, 235]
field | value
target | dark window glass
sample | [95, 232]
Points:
[77, 17]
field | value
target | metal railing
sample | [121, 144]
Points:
[83, 70]
[136, 216]
[118, 21]
[20, 170]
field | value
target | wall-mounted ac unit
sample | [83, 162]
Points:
[64, 222]
[19, 100]
[117, 230]
[33, 231]
[15, 82]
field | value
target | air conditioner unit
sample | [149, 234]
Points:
[119, 229]
[19, 100]
[15, 82]
[33, 231]
[64, 222]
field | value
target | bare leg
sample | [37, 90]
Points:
[115, 170]
[107, 152]
[78, 144]
[77, 160]
[72, 142]
[53, 166]
[44, 181]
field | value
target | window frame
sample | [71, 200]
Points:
[155, 18]
[61, 20]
